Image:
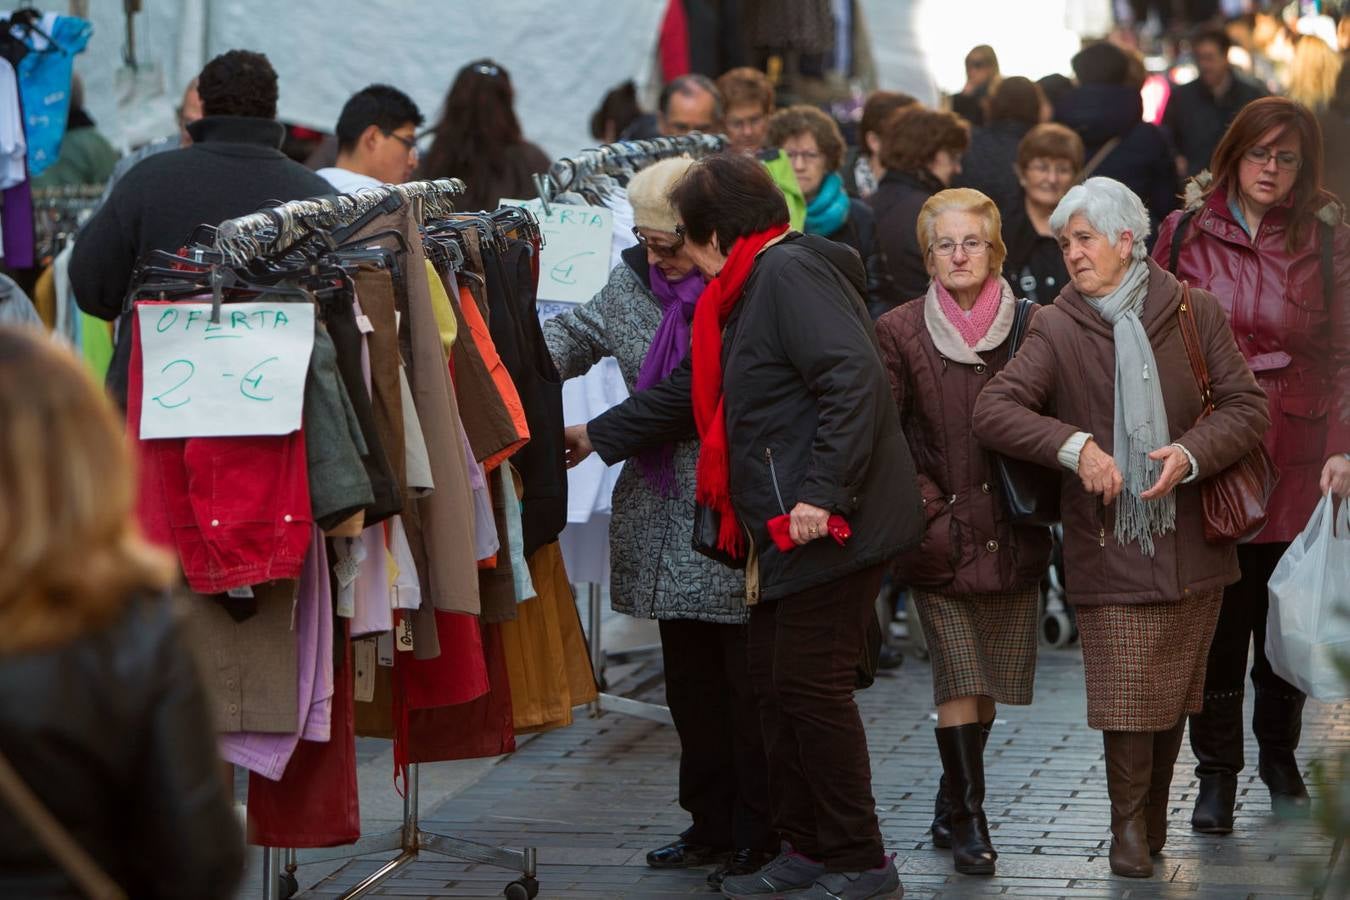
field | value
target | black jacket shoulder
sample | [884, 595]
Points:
[113, 734]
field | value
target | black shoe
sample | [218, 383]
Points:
[680, 854]
[890, 657]
[1277, 722]
[963, 763]
[942, 805]
[1216, 739]
[740, 862]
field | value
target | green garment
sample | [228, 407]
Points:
[96, 344]
[86, 158]
[780, 170]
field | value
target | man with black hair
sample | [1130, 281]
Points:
[233, 167]
[377, 140]
[1200, 111]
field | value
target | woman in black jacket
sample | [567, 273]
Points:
[921, 150]
[815, 147]
[786, 389]
[101, 711]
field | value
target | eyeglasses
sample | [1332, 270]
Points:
[806, 156]
[407, 142]
[746, 124]
[1041, 167]
[1284, 161]
[972, 246]
[663, 250]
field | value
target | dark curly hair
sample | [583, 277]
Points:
[238, 83]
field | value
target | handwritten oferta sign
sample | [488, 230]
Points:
[244, 375]
[574, 264]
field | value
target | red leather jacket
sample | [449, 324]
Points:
[1296, 339]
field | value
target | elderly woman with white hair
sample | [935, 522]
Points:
[1102, 386]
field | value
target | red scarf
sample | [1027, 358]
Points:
[719, 298]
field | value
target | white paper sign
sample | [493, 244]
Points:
[574, 264]
[242, 376]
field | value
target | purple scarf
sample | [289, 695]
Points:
[669, 346]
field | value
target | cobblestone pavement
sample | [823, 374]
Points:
[595, 797]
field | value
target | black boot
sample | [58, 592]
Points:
[1277, 723]
[1216, 739]
[962, 753]
[942, 805]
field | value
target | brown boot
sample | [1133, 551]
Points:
[1129, 773]
[1166, 745]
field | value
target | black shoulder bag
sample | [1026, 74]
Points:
[1031, 492]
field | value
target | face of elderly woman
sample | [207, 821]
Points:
[1095, 265]
[958, 255]
[667, 251]
[1046, 180]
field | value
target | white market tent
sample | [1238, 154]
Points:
[563, 55]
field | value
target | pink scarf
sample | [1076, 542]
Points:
[972, 326]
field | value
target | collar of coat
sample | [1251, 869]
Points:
[949, 341]
[1198, 193]
[238, 130]
[1160, 306]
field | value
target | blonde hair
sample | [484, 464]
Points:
[70, 553]
[1312, 74]
[966, 200]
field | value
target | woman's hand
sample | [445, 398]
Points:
[1336, 476]
[808, 523]
[1098, 472]
[576, 445]
[1175, 467]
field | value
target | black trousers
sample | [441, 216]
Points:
[724, 781]
[804, 655]
[1242, 623]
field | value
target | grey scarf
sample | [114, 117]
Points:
[1141, 419]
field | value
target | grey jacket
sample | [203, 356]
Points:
[655, 572]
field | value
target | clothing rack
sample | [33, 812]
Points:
[247, 237]
[269, 230]
[622, 158]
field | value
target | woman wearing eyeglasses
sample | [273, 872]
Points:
[642, 318]
[815, 147]
[1261, 233]
[1049, 159]
[975, 580]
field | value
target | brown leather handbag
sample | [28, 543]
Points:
[1234, 500]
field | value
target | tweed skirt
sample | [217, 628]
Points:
[981, 644]
[1145, 665]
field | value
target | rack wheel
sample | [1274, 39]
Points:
[525, 889]
[1056, 629]
[289, 886]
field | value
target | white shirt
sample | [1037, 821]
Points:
[344, 181]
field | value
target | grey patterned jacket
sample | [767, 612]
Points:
[654, 571]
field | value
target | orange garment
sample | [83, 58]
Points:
[482, 339]
[547, 658]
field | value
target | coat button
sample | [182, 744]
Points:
[286, 518]
[215, 523]
[992, 546]
[986, 488]
[1251, 337]
[979, 370]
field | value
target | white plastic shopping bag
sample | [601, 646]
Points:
[1308, 627]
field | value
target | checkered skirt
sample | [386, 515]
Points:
[1145, 665]
[981, 644]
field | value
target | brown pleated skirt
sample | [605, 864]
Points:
[1145, 665]
[981, 644]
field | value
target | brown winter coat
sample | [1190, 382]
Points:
[969, 547]
[1063, 381]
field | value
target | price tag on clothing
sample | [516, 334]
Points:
[403, 633]
[363, 661]
[384, 648]
[244, 375]
[574, 263]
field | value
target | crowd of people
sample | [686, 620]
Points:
[835, 352]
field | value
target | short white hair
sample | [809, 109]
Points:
[1109, 208]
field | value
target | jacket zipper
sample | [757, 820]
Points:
[1101, 531]
[773, 476]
